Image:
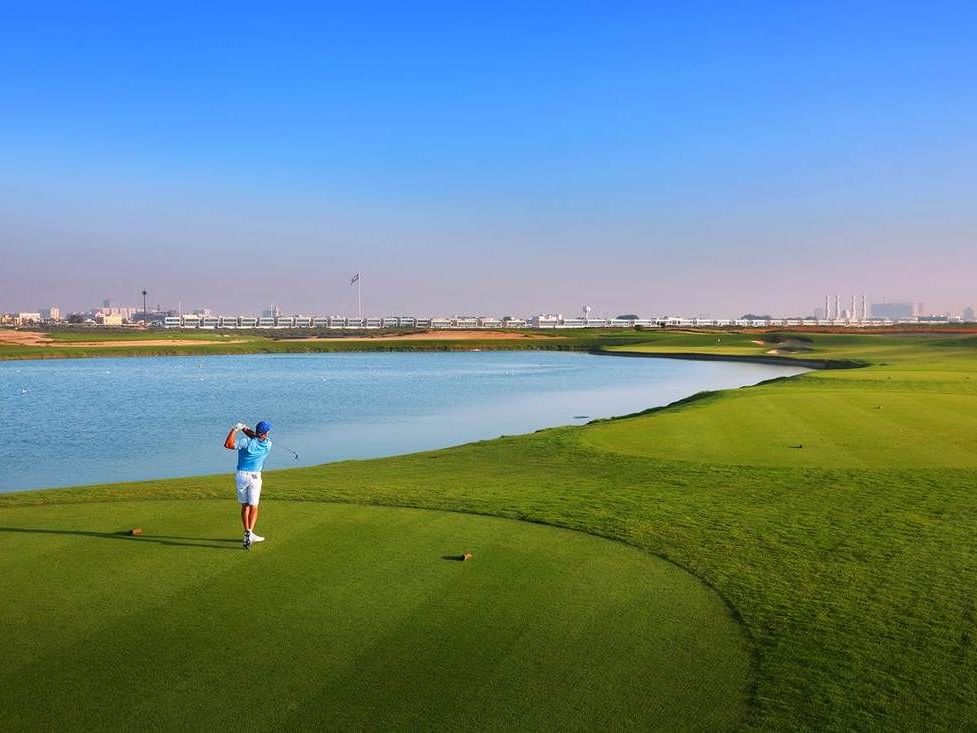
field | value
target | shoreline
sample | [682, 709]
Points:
[294, 346]
[769, 359]
[337, 346]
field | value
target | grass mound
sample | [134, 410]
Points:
[350, 617]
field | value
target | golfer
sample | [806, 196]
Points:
[252, 448]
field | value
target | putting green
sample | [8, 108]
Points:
[350, 617]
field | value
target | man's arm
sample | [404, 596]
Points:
[230, 439]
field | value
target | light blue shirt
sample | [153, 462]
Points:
[251, 453]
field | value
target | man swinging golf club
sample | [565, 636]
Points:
[252, 448]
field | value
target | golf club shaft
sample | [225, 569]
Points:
[289, 450]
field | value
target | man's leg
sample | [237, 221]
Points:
[254, 496]
[245, 519]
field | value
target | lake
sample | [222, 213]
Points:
[81, 421]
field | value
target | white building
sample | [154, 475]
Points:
[545, 320]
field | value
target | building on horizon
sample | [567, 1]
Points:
[893, 311]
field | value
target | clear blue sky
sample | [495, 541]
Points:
[691, 157]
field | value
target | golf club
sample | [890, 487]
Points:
[278, 445]
[287, 450]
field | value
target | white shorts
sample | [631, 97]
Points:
[248, 487]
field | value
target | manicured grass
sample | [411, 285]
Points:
[851, 563]
[806, 423]
[350, 617]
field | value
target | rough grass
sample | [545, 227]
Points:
[851, 564]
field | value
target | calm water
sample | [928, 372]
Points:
[68, 422]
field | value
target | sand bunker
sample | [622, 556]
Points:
[23, 338]
[33, 338]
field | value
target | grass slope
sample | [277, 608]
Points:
[851, 562]
[350, 618]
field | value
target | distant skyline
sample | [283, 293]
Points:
[844, 305]
[493, 159]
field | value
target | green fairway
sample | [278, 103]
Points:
[806, 423]
[350, 617]
[850, 562]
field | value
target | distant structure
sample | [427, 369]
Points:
[854, 314]
[893, 311]
[968, 315]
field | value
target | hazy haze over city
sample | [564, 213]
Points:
[502, 160]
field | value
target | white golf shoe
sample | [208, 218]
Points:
[256, 537]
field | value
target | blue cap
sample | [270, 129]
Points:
[262, 427]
